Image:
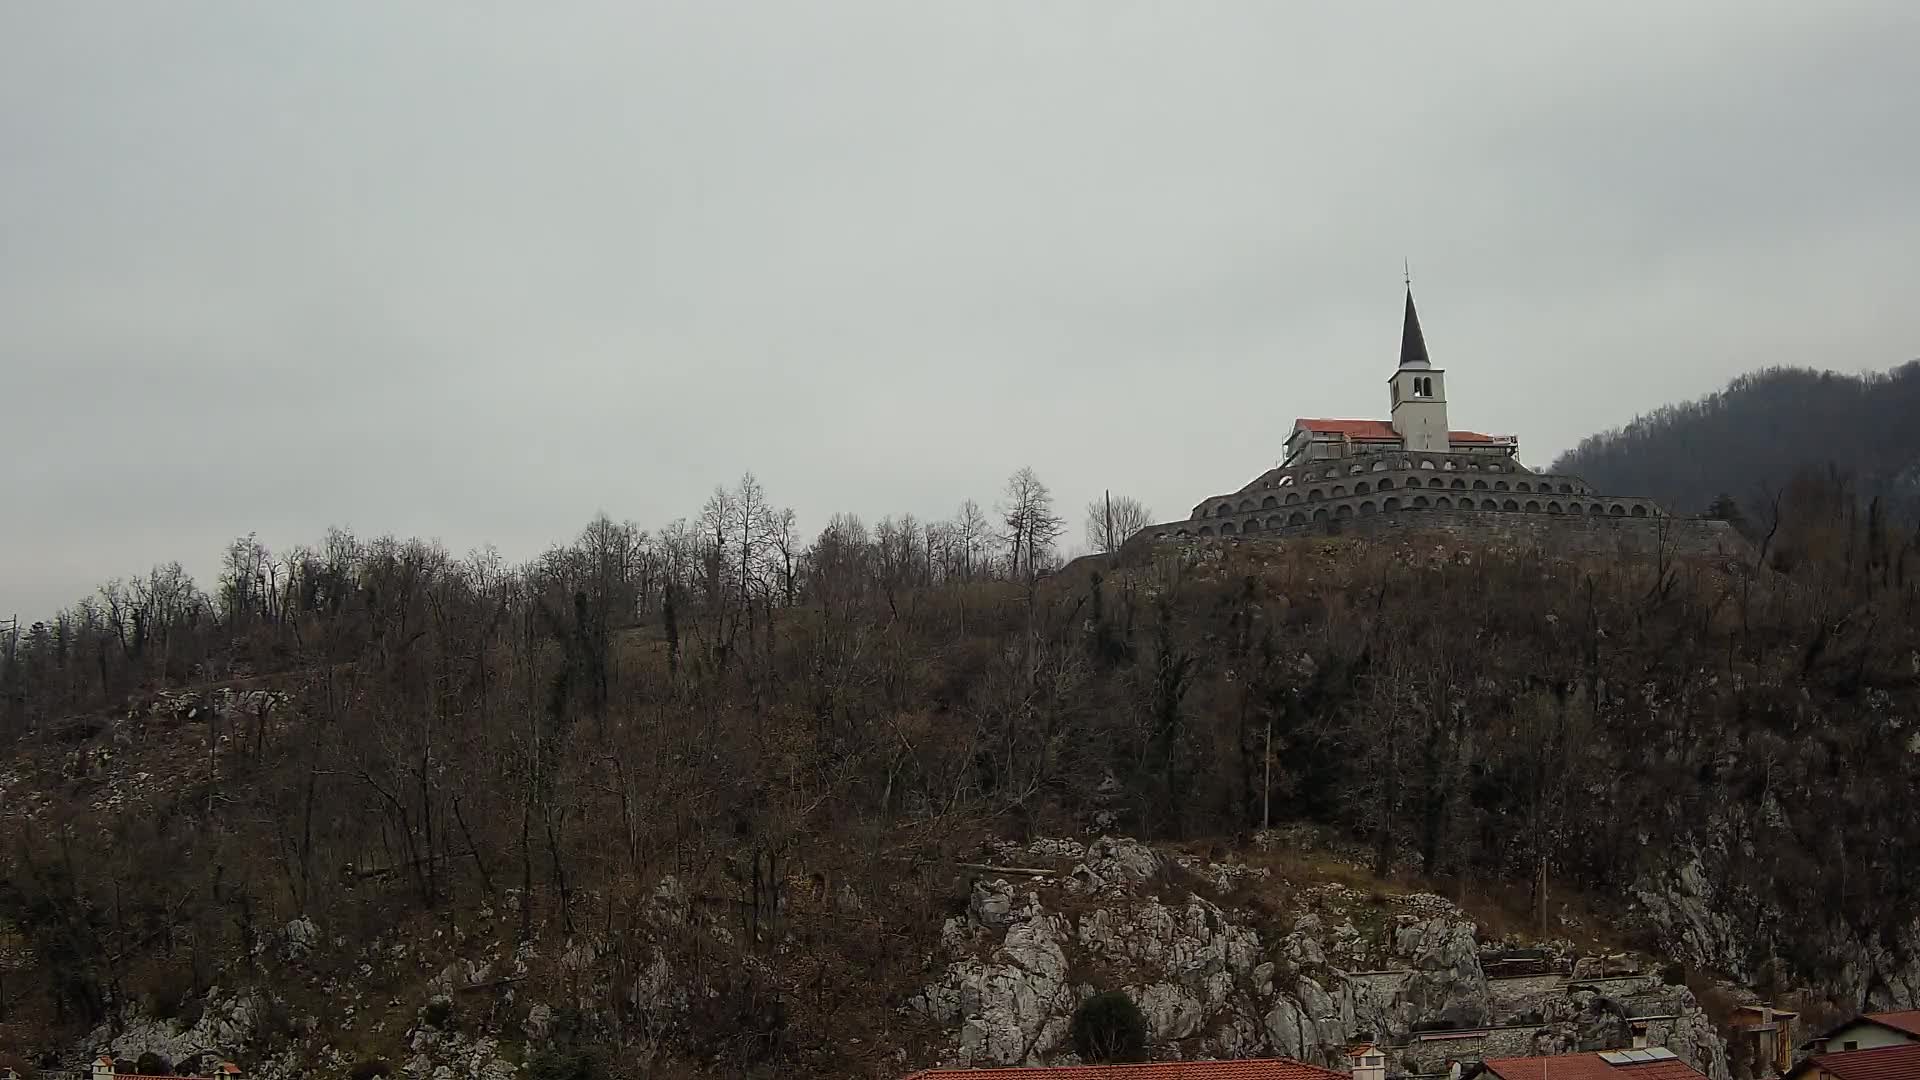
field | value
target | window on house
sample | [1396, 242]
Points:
[1850, 1044]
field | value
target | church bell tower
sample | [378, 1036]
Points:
[1419, 391]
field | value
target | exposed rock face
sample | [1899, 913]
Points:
[226, 1024]
[1212, 980]
[447, 1056]
[539, 1023]
[1447, 984]
[1211, 984]
[298, 939]
[1113, 864]
[1736, 932]
[1196, 943]
[1013, 1004]
[1697, 926]
[1172, 1012]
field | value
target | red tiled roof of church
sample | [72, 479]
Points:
[1365, 430]
[1352, 429]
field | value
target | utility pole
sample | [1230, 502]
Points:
[1107, 536]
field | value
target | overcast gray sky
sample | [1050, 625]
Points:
[478, 271]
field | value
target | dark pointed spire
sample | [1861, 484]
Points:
[1413, 344]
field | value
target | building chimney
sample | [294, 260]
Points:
[1640, 1036]
[103, 1068]
[1367, 1062]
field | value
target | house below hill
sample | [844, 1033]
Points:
[1901, 1062]
[1649, 1064]
[1870, 1031]
[1245, 1069]
[105, 1068]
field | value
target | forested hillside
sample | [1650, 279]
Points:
[1748, 440]
[696, 798]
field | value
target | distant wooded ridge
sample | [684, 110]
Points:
[1748, 440]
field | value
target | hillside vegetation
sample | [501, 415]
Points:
[371, 750]
[1748, 440]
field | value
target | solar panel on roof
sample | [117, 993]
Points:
[1638, 1057]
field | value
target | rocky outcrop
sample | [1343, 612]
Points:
[227, 1023]
[1213, 983]
[1705, 924]
[1113, 864]
[1012, 1004]
[441, 1055]
[1446, 985]
[1297, 970]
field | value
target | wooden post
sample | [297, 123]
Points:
[1266, 781]
[1540, 890]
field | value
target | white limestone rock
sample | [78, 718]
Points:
[1114, 864]
[1188, 943]
[1013, 1007]
[991, 903]
[1447, 983]
[1288, 1029]
[1171, 1011]
[298, 939]
[539, 1023]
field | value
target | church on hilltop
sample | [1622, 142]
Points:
[1415, 470]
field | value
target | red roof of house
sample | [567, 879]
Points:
[1884, 1063]
[226, 1068]
[1377, 431]
[1588, 1067]
[1907, 1021]
[1264, 1069]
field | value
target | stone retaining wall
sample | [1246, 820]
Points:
[1569, 534]
[1564, 534]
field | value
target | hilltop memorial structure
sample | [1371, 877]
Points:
[1415, 470]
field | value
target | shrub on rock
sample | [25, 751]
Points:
[1109, 1027]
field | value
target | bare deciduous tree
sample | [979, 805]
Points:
[971, 533]
[1111, 519]
[1032, 527]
